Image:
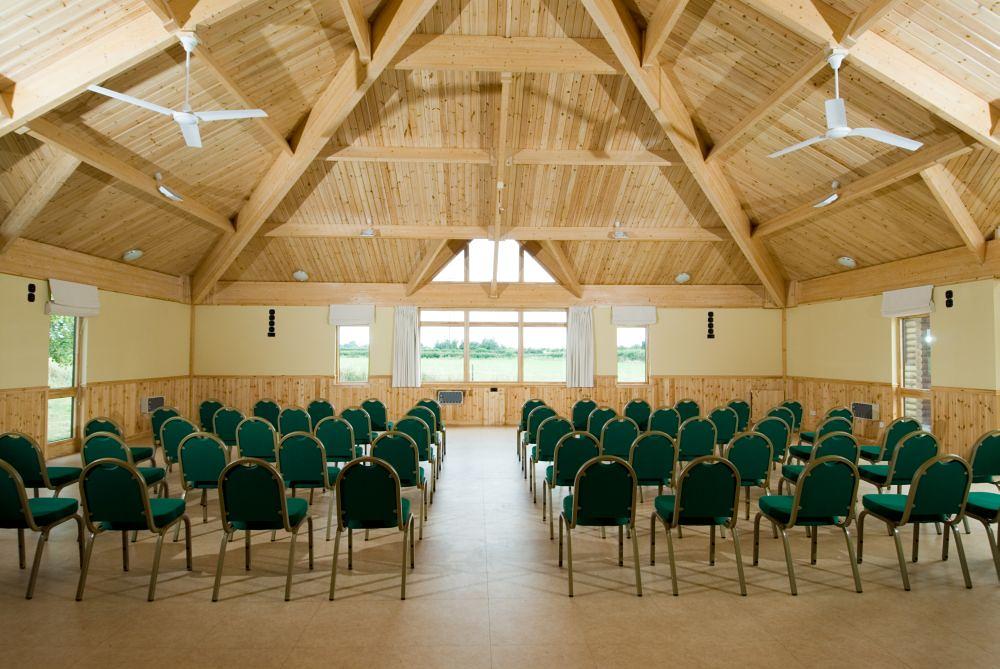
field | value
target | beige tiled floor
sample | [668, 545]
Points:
[487, 592]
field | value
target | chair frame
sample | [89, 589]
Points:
[788, 439]
[262, 400]
[184, 482]
[588, 399]
[522, 444]
[297, 408]
[687, 399]
[987, 523]
[256, 419]
[892, 463]
[620, 419]
[884, 438]
[169, 461]
[208, 399]
[432, 431]
[637, 400]
[673, 465]
[362, 405]
[41, 465]
[312, 423]
[327, 486]
[357, 407]
[791, 484]
[215, 416]
[161, 484]
[533, 484]
[749, 407]
[351, 432]
[422, 488]
[550, 487]
[120, 435]
[766, 486]
[524, 419]
[665, 408]
[439, 425]
[433, 462]
[680, 431]
[156, 433]
[736, 426]
[602, 407]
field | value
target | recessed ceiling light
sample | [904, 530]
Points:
[619, 234]
[683, 277]
[368, 232]
[132, 254]
[847, 261]
[300, 275]
[165, 190]
[829, 199]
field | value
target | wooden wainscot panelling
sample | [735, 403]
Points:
[24, 410]
[820, 395]
[763, 392]
[120, 400]
[962, 415]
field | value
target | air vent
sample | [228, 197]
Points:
[865, 410]
[150, 404]
[450, 397]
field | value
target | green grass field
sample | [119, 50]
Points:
[353, 369]
[60, 419]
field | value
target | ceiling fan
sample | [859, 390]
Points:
[186, 118]
[831, 198]
[836, 119]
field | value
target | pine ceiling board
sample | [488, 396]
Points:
[22, 160]
[625, 262]
[960, 38]
[977, 179]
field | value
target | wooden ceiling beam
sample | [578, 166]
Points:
[53, 176]
[866, 19]
[661, 23]
[360, 29]
[458, 155]
[438, 255]
[393, 25]
[650, 157]
[659, 93]
[912, 164]
[520, 233]
[96, 157]
[550, 255]
[941, 185]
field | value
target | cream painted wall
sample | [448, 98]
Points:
[747, 342]
[24, 336]
[964, 351]
[381, 342]
[605, 343]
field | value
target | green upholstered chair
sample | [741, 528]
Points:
[526, 409]
[617, 437]
[38, 515]
[252, 497]
[571, 452]
[809, 436]
[172, 432]
[841, 444]
[985, 507]
[369, 497]
[695, 439]
[201, 457]
[550, 432]
[257, 438]
[913, 451]
[378, 414]
[206, 413]
[427, 415]
[825, 496]
[796, 408]
[418, 430]
[441, 436]
[639, 411]
[403, 455]
[597, 419]
[139, 453]
[785, 414]
[707, 494]
[985, 459]
[25, 455]
[937, 494]
[581, 412]
[653, 458]
[726, 420]
[665, 420]
[604, 495]
[320, 409]
[269, 410]
[779, 433]
[101, 445]
[891, 436]
[337, 437]
[742, 409]
[751, 453]
[803, 450]
[687, 408]
[303, 465]
[529, 437]
[361, 423]
[157, 418]
[116, 499]
[224, 424]
[294, 419]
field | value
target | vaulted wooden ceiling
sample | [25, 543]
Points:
[413, 143]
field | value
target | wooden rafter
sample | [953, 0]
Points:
[519, 233]
[502, 173]
[438, 255]
[905, 168]
[394, 23]
[866, 19]
[447, 154]
[653, 157]
[97, 157]
[663, 20]
[941, 185]
[55, 174]
[656, 88]
[360, 29]
[550, 255]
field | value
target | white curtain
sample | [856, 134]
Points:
[72, 299]
[406, 349]
[580, 348]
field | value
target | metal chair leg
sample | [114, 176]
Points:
[552, 510]
[43, 538]
[408, 527]
[177, 530]
[850, 555]
[635, 561]
[187, 542]
[309, 529]
[329, 516]
[79, 537]
[621, 545]
[412, 550]
[204, 505]
[902, 559]
[86, 567]
[333, 569]
[246, 549]
[291, 563]
[569, 554]
[813, 544]
[350, 548]
[20, 548]
[965, 523]
[961, 554]
[560, 540]
[756, 538]
[916, 543]
[125, 551]
[993, 547]
[423, 511]
[219, 565]
[670, 556]
[156, 566]
[739, 557]
[788, 562]
[652, 539]
[711, 546]
[861, 535]
[544, 501]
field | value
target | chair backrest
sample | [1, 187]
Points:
[418, 430]
[224, 424]
[597, 418]
[526, 409]
[302, 460]
[172, 432]
[158, 418]
[842, 444]
[894, 433]
[14, 508]
[377, 412]
[337, 437]
[581, 412]
[605, 490]
[840, 412]
[257, 438]
[687, 408]
[726, 420]
[102, 424]
[202, 457]
[834, 424]
[550, 432]
[434, 406]
[653, 456]
[269, 410]
[752, 454]
[695, 438]
[535, 418]
[706, 489]
[827, 488]
[320, 409]
[572, 450]
[103, 445]
[913, 451]
[206, 412]
[114, 495]
[940, 487]
[796, 408]
[986, 456]
[400, 451]
[639, 411]
[252, 494]
[617, 436]
[23, 453]
[360, 422]
[425, 414]
[742, 409]
[785, 414]
[778, 432]
[294, 419]
[666, 420]
[368, 495]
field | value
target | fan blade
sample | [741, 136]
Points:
[796, 147]
[887, 137]
[829, 199]
[191, 134]
[131, 100]
[230, 114]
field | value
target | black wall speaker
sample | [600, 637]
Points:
[31, 292]
[270, 322]
[711, 325]
[949, 299]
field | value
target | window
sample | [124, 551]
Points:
[475, 264]
[915, 341]
[631, 355]
[62, 377]
[492, 346]
[353, 346]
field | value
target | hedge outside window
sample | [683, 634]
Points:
[353, 352]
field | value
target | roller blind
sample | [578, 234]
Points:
[72, 299]
[633, 316]
[352, 314]
[908, 301]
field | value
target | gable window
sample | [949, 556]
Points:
[63, 377]
[353, 348]
[915, 341]
[475, 264]
[631, 355]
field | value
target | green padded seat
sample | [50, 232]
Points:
[801, 452]
[891, 507]
[779, 507]
[664, 505]
[47, 510]
[976, 478]
[332, 472]
[60, 476]
[355, 524]
[792, 472]
[877, 474]
[982, 504]
[152, 475]
[140, 453]
[582, 519]
[165, 511]
[870, 451]
[808, 436]
[297, 510]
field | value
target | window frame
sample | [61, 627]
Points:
[521, 253]
[903, 392]
[336, 352]
[72, 391]
[645, 381]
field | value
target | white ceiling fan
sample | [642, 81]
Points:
[831, 198]
[186, 118]
[836, 119]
